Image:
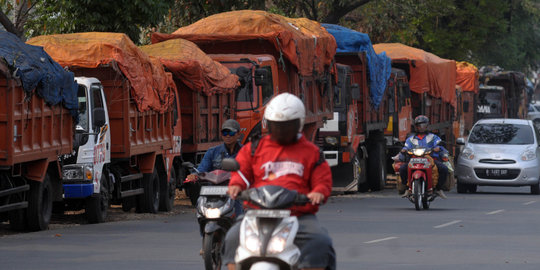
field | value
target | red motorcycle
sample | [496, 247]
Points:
[419, 177]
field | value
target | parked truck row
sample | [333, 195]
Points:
[118, 121]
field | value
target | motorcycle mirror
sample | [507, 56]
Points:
[188, 165]
[230, 164]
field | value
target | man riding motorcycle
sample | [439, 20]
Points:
[423, 138]
[285, 158]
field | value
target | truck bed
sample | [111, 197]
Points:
[30, 130]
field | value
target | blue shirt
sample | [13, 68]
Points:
[430, 141]
[213, 157]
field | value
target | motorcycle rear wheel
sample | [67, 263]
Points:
[417, 194]
[212, 250]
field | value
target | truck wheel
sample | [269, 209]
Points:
[150, 200]
[168, 192]
[17, 219]
[98, 204]
[360, 174]
[39, 204]
[376, 165]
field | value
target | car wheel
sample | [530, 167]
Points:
[535, 189]
[461, 188]
[472, 188]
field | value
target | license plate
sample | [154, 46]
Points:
[214, 190]
[496, 172]
[419, 160]
[268, 213]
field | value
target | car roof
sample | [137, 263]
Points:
[504, 121]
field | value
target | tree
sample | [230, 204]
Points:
[69, 16]
[14, 15]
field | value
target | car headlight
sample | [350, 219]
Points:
[279, 239]
[528, 155]
[331, 140]
[212, 213]
[252, 241]
[467, 153]
[419, 151]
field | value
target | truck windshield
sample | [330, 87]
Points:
[502, 134]
[83, 111]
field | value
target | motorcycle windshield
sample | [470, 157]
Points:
[272, 197]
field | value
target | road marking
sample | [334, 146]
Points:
[531, 202]
[447, 224]
[380, 240]
[495, 212]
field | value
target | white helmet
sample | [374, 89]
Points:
[285, 107]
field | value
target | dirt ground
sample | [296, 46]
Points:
[182, 205]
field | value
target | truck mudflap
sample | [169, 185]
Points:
[78, 190]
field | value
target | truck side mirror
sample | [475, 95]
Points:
[230, 164]
[355, 91]
[261, 76]
[460, 141]
[98, 115]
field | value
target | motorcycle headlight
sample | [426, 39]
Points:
[419, 151]
[212, 213]
[252, 241]
[528, 155]
[331, 140]
[467, 153]
[279, 239]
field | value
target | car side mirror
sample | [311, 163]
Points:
[460, 141]
[230, 164]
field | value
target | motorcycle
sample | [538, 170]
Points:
[267, 234]
[215, 214]
[420, 172]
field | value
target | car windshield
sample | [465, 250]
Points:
[502, 134]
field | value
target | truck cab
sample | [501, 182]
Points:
[258, 84]
[490, 102]
[82, 170]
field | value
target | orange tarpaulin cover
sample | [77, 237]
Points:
[428, 73]
[151, 87]
[305, 43]
[196, 69]
[467, 76]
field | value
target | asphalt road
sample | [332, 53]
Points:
[497, 228]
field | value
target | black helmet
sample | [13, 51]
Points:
[421, 119]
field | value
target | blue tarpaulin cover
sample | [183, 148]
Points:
[39, 74]
[379, 65]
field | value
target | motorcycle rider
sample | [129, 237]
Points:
[286, 158]
[423, 138]
[230, 133]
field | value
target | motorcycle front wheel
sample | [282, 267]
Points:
[212, 243]
[417, 194]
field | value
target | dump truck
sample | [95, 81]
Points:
[270, 54]
[501, 94]
[38, 110]
[125, 142]
[354, 141]
[206, 91]
[467, 77]
[432, 81]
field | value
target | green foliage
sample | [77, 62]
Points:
[125, 16]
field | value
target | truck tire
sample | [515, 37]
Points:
[376, 172]
[168, 192]
[150, 198]
[40, 201]
[359, 172]
[98, 204]
[17, 219]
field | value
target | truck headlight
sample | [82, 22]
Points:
[78, 172]
[331, 140]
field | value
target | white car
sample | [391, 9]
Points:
[534, 113]
[499, 152]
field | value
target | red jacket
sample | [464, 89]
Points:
[291, 166]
